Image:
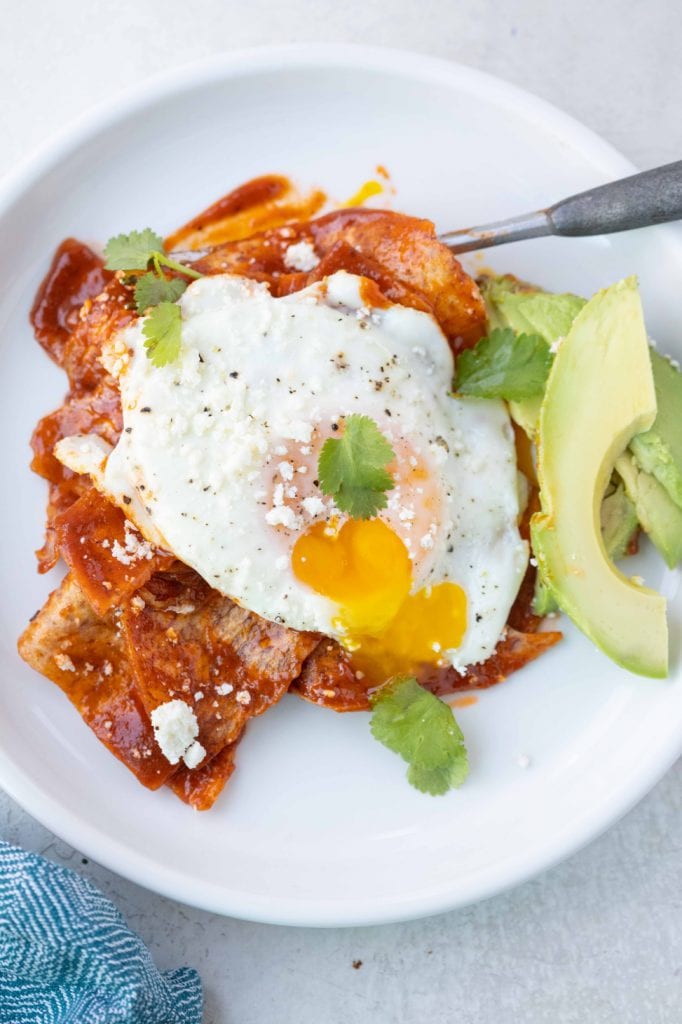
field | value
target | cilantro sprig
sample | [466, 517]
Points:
[151, 290]
[504, 365]
[351, 468]
[162, 330]
[154, 292]
[415, 724]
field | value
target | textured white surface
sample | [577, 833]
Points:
[597, 939]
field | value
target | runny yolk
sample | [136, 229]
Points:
[365, 569]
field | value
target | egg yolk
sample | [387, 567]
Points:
[365, 569]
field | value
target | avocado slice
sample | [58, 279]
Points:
[659, 450]
[527, 309]
[619, 520]
[658, 514]
[600, 393]
[513, 303]
[619, 523]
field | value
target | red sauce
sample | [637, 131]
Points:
[76, 274]
[259, 204]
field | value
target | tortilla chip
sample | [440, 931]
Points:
[187, 641]
[107, 555]
[327, 679]
[87, 658]
[201, 787]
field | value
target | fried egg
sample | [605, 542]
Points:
[218, 458]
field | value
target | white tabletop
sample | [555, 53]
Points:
[598, 938]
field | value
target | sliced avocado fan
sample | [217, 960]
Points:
[599, 394]
[653, 478]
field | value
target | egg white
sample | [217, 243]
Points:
[215, 444]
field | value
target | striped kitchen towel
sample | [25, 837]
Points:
[68, 957]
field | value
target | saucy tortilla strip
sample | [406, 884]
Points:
[201, 787]
[513, 652]
[328, 679]
[402, 254]
[98, 320]
[87, 658]
[88, 412]
[60, 496]
[108, 556]
[187, 641]
[75, 274]
[85, 412]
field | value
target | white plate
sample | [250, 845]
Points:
[318, 825]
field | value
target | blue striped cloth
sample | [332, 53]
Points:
[68, 957]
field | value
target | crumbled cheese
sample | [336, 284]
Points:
[301, 256]
[133, 549]
[175, 730]
[194, 754]
[107, 668]
[180, 609]
[313, 505]
[299, 430]
[243, 697]
[224, 690]
[137, 603]
[282, 515]
[63, 662]
[286, 471]
[199, 695]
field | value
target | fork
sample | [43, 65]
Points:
[652, 197]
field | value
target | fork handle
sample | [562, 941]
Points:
[652, 197]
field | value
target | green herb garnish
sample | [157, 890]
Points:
[504, 365]
[150, 290]
[144, 251]
[163, 333]
[351, 468]
[412, 722]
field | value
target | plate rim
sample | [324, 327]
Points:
[76, 830]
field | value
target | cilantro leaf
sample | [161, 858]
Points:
[412, 722]
[163, 332]
[150, 290]
[504, 365]
[351, 468]
[132, 251]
